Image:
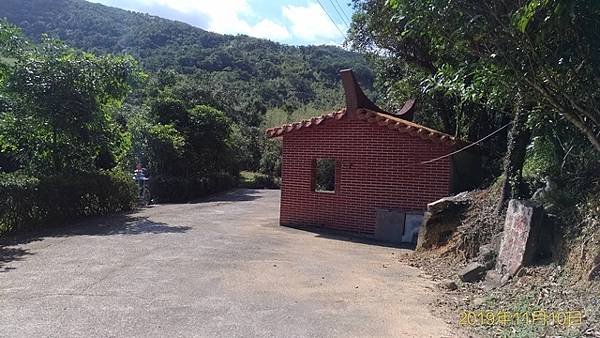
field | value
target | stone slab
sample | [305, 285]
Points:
[521, 230]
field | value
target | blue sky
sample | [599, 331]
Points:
[298, 22]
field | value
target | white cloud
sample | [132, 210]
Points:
[310, 23]
[226, 16]
[298, 24]
[269, 30]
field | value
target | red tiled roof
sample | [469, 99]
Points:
[382, 119]
[404, 126]
[315, 121]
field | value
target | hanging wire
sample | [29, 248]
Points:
[343, 12]
[469, 146]
[331, 18]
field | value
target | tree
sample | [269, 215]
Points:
[547, 50]
[210, 143]
[177, 139]
[455, 93]
[61, 108]
[166, 149]
[480, 56]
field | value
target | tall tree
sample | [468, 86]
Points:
[480, 56]
[61, 108]
[549, 50]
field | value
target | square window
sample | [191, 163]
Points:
[324, 175]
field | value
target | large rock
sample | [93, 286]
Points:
[487, 256]
[441, 220]
[473, 272]
[492, 280]
[519, 243]
[446, 203]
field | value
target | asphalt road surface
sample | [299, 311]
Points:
[217, 268]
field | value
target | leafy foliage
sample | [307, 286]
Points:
[241, 76]
[27, 202]
[324, 175]
[474, 64]
[270, 163]
[487, 52]
[59, 108]
[252, 180]
[57, 123]
[175, 140]
[181, 189]
[239, 67]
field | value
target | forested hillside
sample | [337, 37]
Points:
[249, 68]
[188, 78]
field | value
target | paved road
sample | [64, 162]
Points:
[221, 267]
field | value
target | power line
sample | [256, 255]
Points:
[343, 13]
[469, 146]
[344, 9]
[331, 18]
[340, 15]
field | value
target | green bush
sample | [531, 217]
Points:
[165, 189]
[270, 162]
[17, 201]
[253, 180]
[63, 198]
[27, 202]
[266, 182]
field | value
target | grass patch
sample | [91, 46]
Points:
[254, 180]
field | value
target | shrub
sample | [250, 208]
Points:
[270, 162]
[28, 202]
[252, 180]
[266, 182]
[17, 201]
[63, 198]
[166, 189]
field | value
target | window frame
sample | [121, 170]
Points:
[315, 163]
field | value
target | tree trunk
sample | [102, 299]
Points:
[514, 159]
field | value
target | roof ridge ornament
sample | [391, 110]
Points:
[356, 98]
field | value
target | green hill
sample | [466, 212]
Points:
[246, 68]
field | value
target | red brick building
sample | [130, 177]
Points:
[360, 169]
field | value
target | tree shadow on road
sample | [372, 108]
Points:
[9, 255]
[120, 225]
[236, 195]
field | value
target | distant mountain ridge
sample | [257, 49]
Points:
[278, 74]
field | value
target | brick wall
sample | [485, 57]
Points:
[376, 167]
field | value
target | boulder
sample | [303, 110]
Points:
[441, 220]
[520, 238]
[473, 272]
[487, 256]
[446, 203]
[492, 280]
